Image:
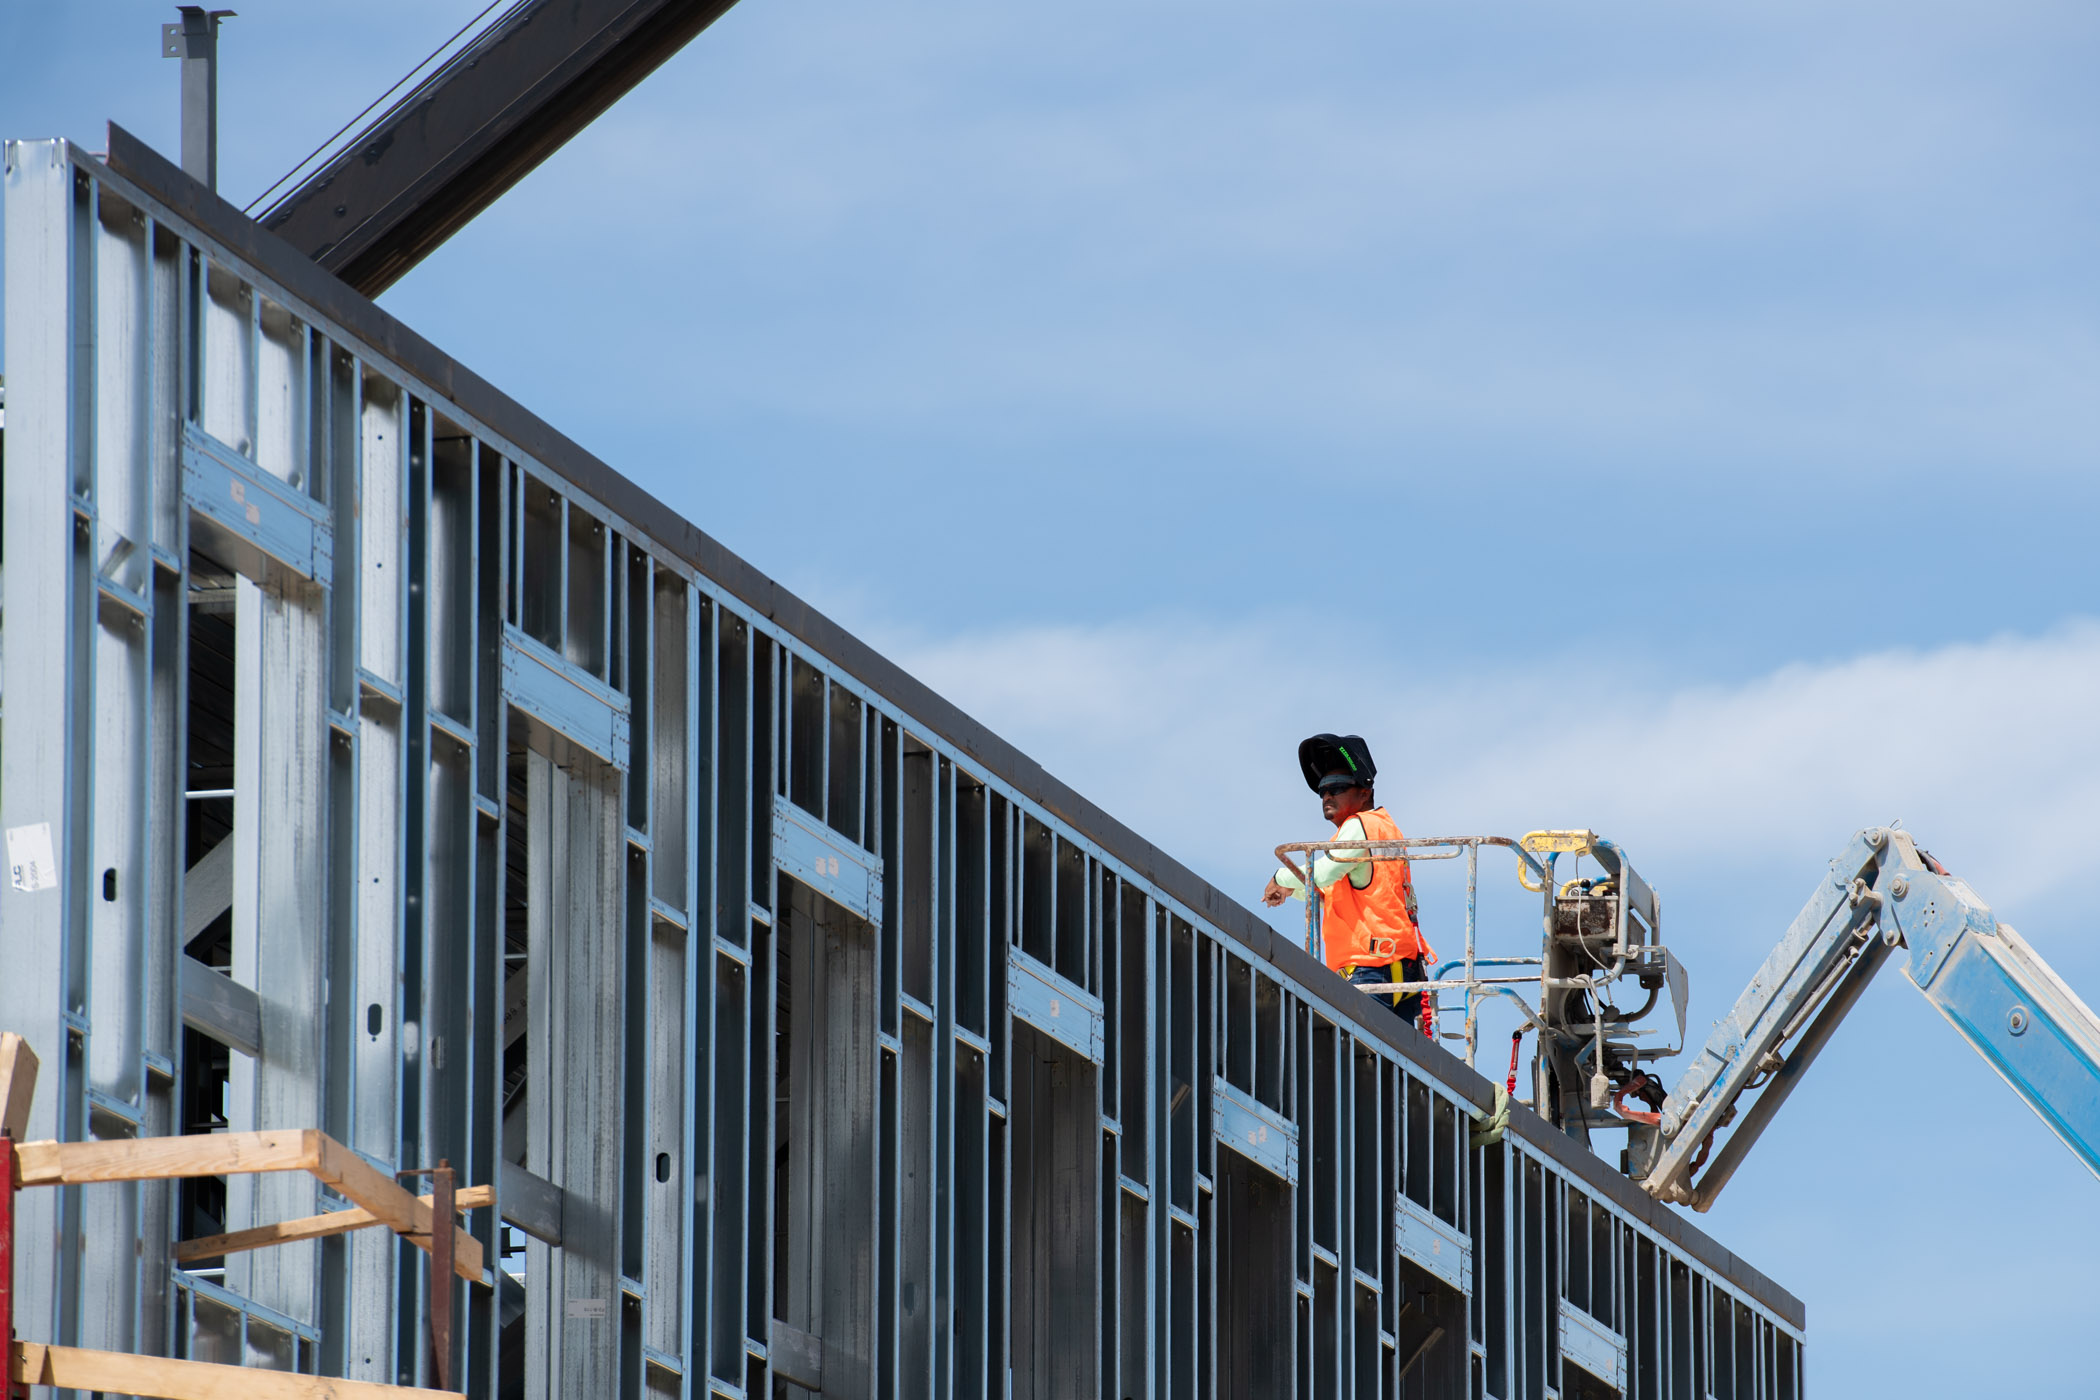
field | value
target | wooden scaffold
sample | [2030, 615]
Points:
[429, 1222]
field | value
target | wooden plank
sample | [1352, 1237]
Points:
[311, 1227]
[391, 1204]
[153, 1159]
[17, 1084]
[223, 1154]
[33, 1363]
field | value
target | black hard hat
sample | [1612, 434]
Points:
[1336, 760]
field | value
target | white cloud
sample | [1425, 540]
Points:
[1986, 750]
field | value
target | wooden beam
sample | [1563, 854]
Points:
[391, 1204]
[226, 1154]
[17, 1084]
[311, 1227]
[154, 1159]
[33, 1363]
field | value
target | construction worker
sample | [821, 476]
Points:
[1370, 933]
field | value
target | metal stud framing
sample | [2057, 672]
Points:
[814, 1041]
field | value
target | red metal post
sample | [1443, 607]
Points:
[8, 1181]
[444, 1215]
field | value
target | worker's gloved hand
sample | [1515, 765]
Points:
[1275, 894]
[1488, 1128]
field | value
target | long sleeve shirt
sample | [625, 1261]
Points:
[1351, 862]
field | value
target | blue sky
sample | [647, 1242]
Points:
[1674, 420]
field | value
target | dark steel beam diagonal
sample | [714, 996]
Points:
[541, 73]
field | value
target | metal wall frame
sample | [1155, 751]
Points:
[567, 847]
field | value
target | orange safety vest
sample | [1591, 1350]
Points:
[1376, 925]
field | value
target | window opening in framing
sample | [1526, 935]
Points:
[825, 1135]
[280, 391]
[1721, 1318]
[516, 984]
[973, 953]
[976, 1221]
[1432, 1352]
[1038, 870]
[1493, 1271]
[1180, 1051]
[227, 385]
[1321, 1140]
[540, 571]
[669, 744]
[1373, 1215]
[807, 724]
[493, 569]
[1134, 1019]
[451, 571]
[760, 1140]
[843, 802]
[1239, 1023]
[1536, 1279]
[999, 847]
[917, 873]
[1206, 1066]
[1555, 1228]
[1444, 1193]
[765, 758]
[584, 643]
[208, 822]
[1071, 898]
[1133, 1357]
[1576, 1287]
[1055, 1281]
[1418, 1143]
[1645, 1333]
[1683, 1351]
[1702, 1315]
[1483, 1206]
[725, 1328]
[1604, 1250]
[1744, 1349]
[732, 765]
[1107, 910]
[1269, 1043]
[1256, 1281]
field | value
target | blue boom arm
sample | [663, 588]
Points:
[1882, 893]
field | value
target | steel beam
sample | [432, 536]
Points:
[532, 1203]
[447, 151]
[220, 1007]
[195, 40]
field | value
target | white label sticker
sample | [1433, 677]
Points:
[589, 1309]
[29, 860]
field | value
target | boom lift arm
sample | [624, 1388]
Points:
[1882, 893]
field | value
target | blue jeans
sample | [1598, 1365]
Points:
[1407, 1008]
